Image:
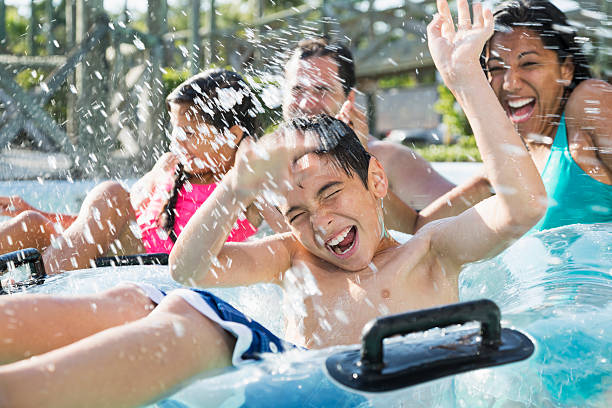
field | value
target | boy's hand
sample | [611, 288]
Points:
[13, 206]
[456, 53]
[266, 164]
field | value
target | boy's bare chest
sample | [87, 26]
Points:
[343, 302]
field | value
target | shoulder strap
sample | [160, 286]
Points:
[561, 135]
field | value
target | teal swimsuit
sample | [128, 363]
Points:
[573, 196]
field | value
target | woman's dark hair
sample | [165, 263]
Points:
[222, 99]
[337, 141]
[542, 17]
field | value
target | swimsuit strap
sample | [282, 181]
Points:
[560, 141]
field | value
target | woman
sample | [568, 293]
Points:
[541, 77]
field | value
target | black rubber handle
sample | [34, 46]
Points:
[484, 311]
[127, 260]
[29, 256]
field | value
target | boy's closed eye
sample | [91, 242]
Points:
[295, 217]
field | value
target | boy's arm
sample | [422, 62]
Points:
[520, 199]
[202, 257]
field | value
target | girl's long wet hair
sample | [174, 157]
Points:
[551, 24]
[221, 99]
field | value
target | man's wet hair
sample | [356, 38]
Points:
[551, 24]
[322, 47]
[338, 142]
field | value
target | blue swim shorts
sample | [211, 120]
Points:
[252, 339]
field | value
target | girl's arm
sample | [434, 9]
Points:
[141, 191]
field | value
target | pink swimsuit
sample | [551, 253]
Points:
[190, 197]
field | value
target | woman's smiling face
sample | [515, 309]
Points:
[529, 80]
[203, 148]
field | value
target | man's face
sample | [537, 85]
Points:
[333, 215]
[312, 87]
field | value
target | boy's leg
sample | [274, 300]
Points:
[30, 229]
[127, 365]
[34, 324]
[104, 217]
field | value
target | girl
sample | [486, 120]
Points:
[211, 113]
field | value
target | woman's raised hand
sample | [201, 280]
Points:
[456, 51]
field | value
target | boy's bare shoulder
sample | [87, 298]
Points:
[419, 255]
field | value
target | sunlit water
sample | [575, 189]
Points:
[556, 286]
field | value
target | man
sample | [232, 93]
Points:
[320, 78]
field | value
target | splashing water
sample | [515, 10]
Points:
[556, 286]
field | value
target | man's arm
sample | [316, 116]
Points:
[401, 217]
[14, 205]
[520, 199]
[456, 201]
[410, 176]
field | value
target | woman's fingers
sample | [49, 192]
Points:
[444, 9]
[478, 16]
[448, 27]
[464, 22]
[488, 20]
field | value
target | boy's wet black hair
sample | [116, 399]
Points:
[206, 92]
[551, 24]
[337, 141]
[322, 47]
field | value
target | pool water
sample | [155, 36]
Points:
[67, 196]
[555, 286]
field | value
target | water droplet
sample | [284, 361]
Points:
[138, 43]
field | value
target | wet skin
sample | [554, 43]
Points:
[204, 150]
[529, 81]
[373, 276]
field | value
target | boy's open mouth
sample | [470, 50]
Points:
[520, 109]
[343, 242]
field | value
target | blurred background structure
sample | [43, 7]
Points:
[82, 87]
